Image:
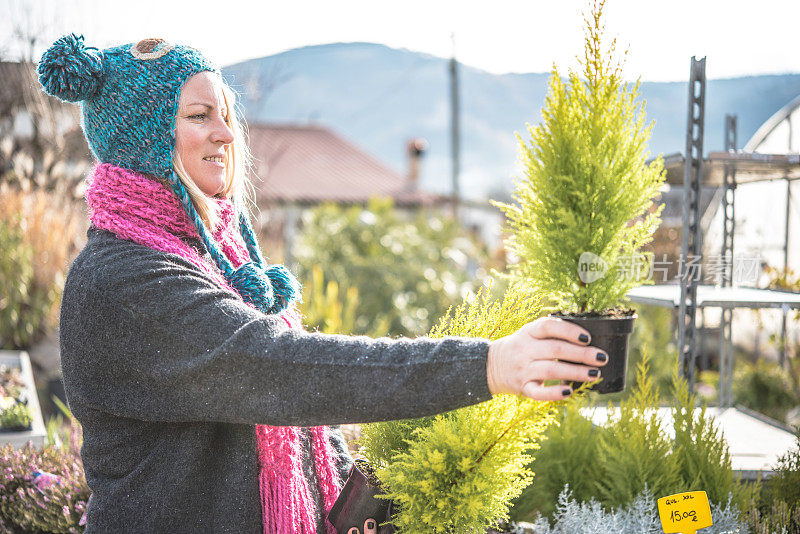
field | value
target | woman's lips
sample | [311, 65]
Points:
[215, 163]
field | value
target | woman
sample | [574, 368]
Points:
[203, 403]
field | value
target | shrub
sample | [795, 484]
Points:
[586, 196]
[458, 471]
[634, 449]
[639, 516]
[568, 453]
[785, 485]
[16, 417]
[407, 270]
[779, 509]
[612, 464]
[703, 455]
[39, 235]
[42, 490]
[765, 387]
[327, 309]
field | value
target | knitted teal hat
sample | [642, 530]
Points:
[129, 99]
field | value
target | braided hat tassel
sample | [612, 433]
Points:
[271, 289]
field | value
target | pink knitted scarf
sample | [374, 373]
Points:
[141, 209]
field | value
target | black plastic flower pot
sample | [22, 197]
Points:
[609, 333]
[358, 502]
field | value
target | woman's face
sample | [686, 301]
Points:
[202, 134]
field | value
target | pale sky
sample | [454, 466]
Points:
[739, 38]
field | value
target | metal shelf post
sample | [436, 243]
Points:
[691, 244]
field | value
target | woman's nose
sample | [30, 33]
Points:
[223, 133]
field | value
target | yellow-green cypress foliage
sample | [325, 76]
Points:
[703, 457]
[568, 455]
[585, 182]
[458, 471]
[634, 449]
[612, 463]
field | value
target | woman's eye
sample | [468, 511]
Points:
[200, 115]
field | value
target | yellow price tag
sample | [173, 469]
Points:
[685, 513]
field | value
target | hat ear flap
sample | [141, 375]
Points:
[71, 71]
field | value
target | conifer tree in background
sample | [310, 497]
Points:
[586, 194]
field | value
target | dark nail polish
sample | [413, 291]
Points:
[594, 372]
[601, 357]
[371, 524]
[566, 392]
[583, 338]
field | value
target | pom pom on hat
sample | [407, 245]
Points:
[271, 290]
[71, 71]
[252, 283]
[285, 286]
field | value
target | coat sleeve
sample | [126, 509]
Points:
[147, 335]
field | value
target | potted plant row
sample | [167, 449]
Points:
[20, 414]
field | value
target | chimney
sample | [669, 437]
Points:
[415, 149]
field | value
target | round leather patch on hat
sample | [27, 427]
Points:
[152, 48]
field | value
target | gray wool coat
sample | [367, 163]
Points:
[168, 374]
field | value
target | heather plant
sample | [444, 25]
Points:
[42, 490]
[584, 206]
[639, 516]
[458, 471]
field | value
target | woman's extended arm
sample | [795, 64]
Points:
[147, 335]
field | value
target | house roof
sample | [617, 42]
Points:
[309, 164]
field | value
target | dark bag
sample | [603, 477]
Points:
[358, 502]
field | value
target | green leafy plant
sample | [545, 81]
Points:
[408, 269]
[653, 332]
[635, 450]
[766, 387]
[16, 417]
[584, 205]
[16, 277]
[327, 309]
[40, 232]
[567, 454]
[613, 463]
[779, 508]
[458, 471]
[703, 455]
[785, 485]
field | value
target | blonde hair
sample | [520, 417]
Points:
[238, 161]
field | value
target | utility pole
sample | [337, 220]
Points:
[455, 131]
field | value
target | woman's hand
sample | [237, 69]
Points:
[521, 362]
[370, 527]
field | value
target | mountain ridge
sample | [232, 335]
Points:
[379, 97]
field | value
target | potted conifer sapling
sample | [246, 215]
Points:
[584, 207]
